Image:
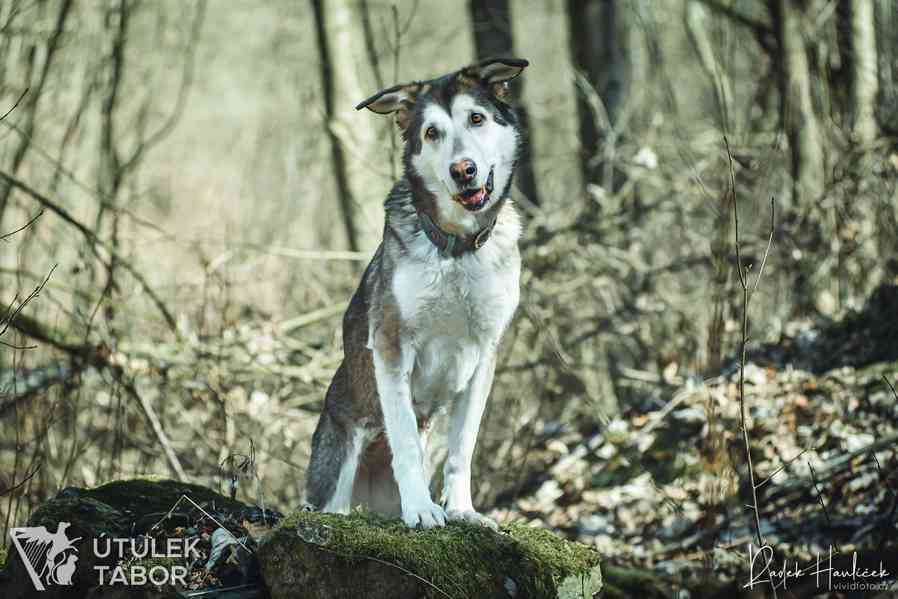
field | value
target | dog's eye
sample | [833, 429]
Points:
[431, 133]
[477, 118]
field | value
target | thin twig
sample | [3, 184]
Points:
[95, 240]
[890, 516]
[187, 76]
[829, 523]
[156, 425]
[785, 465]
[769, 245]
[99, 359]
[892, 387]
[7, 113]
[11, 313]
[23, 481]
[291, 324]
[746, 299]
[22, 228]
[207, 514]
[390, 564]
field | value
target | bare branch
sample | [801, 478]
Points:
[7, 113]
[23, 482]
[11, 313]
[746, 299]
[22, 228]
[187, 75]
[92, 237]
[98, 358]
[762, 31]
[820, 500]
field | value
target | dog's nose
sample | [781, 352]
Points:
[463, 170]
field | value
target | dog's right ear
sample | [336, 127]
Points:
[397, 100]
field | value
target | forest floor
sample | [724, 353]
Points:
[667, 489]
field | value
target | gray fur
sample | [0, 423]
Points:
[352, 418]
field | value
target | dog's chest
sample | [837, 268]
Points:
[456, 310]
[464, 298]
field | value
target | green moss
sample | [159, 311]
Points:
[461, 559]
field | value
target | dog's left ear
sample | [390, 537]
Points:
[397, 100]
[495, 73]
[497, 70]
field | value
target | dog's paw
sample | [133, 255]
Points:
[472, 517]
[423, 514]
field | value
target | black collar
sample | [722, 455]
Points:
[453, 246]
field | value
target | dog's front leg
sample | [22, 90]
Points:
[393, 361]
[463, 428]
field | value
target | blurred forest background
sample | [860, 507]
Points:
[187, 200]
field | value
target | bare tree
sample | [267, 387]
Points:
[599, 52]
[698, 27]
[860, 62]
[492, 27]
[338, 32]
[802, 129]
[886, 21]
[37, 75]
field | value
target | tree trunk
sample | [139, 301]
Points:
[805, 141]
[886, 20]
[337, 53]
[698, 27]
[491, 25]
[861, 63]
[598, 46]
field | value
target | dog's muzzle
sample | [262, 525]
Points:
[475, 199]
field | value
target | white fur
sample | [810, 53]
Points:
[457, 310]
[489, 145]
[402, 433]
[340, 501]
[463, 428]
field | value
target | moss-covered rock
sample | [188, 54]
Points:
[143, 496]
[363, 555]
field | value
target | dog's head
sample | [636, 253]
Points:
[461, 137]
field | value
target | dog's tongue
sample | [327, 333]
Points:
[470, 199]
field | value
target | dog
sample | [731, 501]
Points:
[421, 332]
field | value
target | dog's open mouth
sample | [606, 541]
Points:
[475, 199]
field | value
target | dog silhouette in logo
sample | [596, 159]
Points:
[49, 558]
